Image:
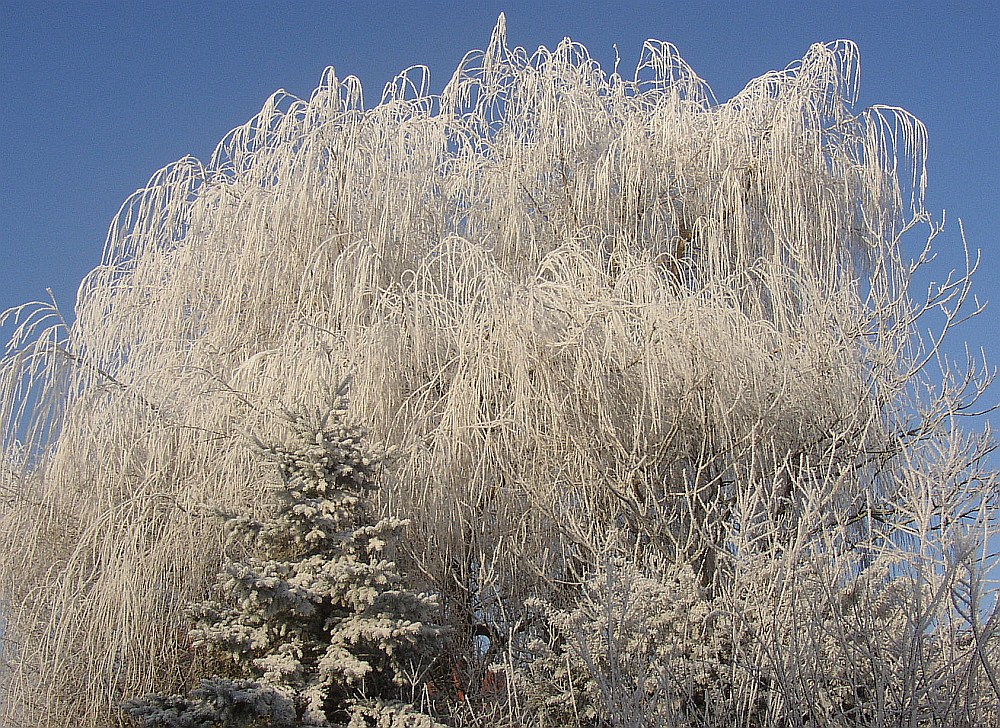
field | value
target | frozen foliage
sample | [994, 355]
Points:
[579, 304]
[649, 647]
[321, 617]
[634, 651]
[217, 702]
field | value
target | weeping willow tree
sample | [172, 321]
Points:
[610, 326]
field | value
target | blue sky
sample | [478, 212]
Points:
[98, 96]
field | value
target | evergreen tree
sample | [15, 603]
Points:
[320, 628]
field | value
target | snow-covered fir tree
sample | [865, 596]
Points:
[319, 626]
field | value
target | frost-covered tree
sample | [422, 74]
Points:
[319, 624]
[605, 319]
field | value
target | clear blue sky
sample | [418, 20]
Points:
[100, 95]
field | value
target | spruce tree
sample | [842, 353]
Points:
[319, 625]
